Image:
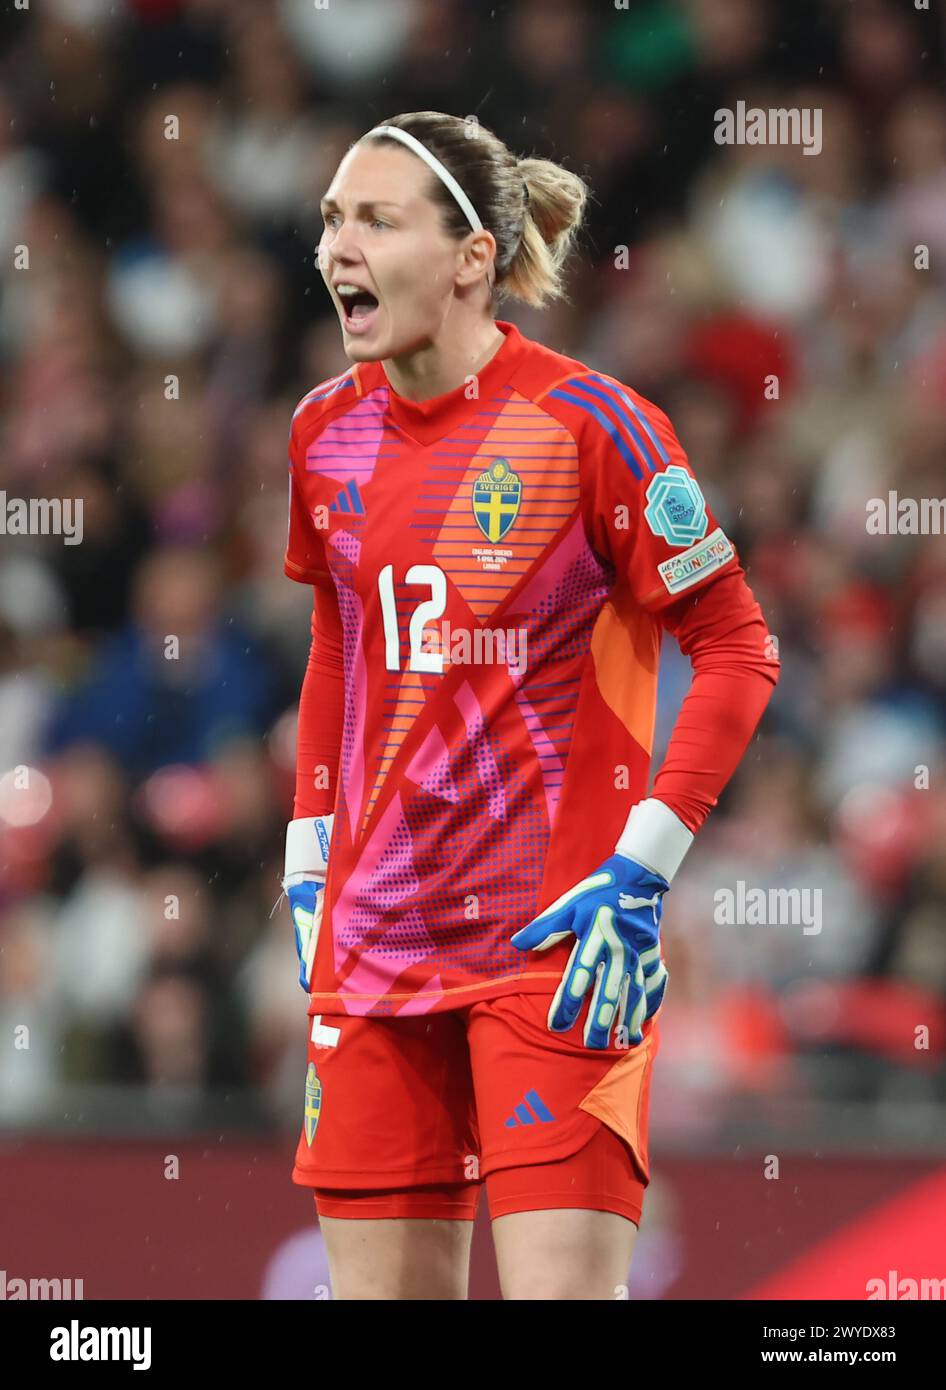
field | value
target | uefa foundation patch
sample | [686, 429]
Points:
[313, 1102]
[679, 572]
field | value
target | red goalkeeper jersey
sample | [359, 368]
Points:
[500, 556]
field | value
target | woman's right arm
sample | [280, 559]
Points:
[321, 710]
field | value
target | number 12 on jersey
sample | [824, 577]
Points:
[427, 610]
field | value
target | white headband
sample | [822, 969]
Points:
[432, 162]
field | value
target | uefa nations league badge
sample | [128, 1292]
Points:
[675, 508]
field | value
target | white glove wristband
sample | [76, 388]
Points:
[655, 837]
[307, 846]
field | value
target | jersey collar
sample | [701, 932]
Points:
[429, 420]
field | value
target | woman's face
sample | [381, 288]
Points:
[383, 235]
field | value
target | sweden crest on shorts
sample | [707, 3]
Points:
[313, 1102]
[497, 494]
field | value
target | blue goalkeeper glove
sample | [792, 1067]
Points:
[306, 869]
[614, 913]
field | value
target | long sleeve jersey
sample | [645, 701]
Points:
[493, 570]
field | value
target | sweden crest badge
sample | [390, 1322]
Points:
[313, 1102]
[497, 495]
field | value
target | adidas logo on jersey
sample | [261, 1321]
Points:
[523, 1115]
[348, 499]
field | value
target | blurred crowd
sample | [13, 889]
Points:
[161, 164]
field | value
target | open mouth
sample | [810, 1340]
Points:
[358, 307]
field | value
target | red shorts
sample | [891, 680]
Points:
[410, 1116]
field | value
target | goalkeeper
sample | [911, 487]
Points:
[477, 865]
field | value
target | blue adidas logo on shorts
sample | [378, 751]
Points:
[522, 1115]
